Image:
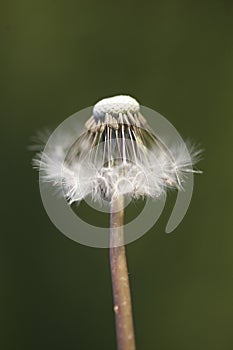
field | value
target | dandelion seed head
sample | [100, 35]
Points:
[117, 154]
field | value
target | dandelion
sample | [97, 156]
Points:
[117, 156]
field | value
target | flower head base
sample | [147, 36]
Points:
[117, 154]
[115, 106]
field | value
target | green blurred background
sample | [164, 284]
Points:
[58, 57]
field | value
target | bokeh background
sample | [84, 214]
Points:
[58, 57]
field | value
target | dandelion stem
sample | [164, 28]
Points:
[120, 280]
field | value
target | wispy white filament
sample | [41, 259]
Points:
[117, 154]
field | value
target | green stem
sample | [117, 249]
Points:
[120, 280]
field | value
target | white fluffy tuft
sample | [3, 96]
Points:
[115, 159]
